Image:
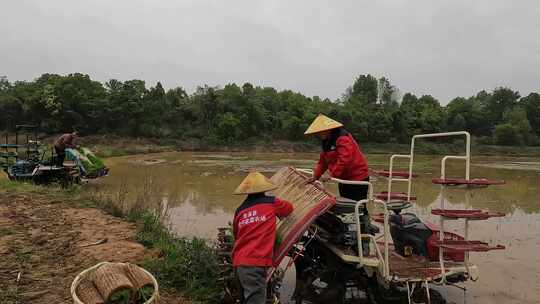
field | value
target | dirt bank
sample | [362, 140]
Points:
[41, 253]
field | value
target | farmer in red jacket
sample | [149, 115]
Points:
[254, 231]
[341, 156]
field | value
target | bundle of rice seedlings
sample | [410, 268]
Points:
[93, 158]
[88, 293]
[112, 283]
[87, 161]
[142, 283]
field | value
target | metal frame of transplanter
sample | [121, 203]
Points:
[382, 260]
[31, 144]
[467, 159]
[408, 179]
[442, 212]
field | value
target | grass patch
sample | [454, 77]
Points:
[74, 194]
[185, 264]
[14, 186]
[189, 265]
[55, 189]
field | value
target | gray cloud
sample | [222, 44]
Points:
[444, 48]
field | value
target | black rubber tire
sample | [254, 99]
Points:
[305, 290]
[435, 296]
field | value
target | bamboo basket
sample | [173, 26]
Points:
[85, 274]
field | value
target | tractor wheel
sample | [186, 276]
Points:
[419, 296]
[379, 295]
[318, 277]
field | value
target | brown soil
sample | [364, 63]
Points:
[40, 241]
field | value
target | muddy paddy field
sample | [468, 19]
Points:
[45, 234]
[200, 185]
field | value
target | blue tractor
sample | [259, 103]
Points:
[24, 158]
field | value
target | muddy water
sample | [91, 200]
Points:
[198, 187]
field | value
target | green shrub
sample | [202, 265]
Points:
[189, 265]
[507, 135]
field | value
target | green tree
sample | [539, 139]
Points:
[368, 109]
[517, 117]
[364, 88]
[501, 101]
[532, 107]
[228, 128]
[507, 134]
[468, 114]
[419, 115]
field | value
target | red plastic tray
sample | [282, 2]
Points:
[468, 182]
[400, 196]
[379, 218]
[428, 273]
[470, 214]
[386, 173]
[464, 246]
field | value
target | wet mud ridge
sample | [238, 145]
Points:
[45, 243]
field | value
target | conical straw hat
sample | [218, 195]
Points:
[255, 182]
[322, 123]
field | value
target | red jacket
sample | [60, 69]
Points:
[344, 160]
[254, 229]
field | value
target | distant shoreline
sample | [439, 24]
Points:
[114, 145]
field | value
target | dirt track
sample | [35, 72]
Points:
[40, 241]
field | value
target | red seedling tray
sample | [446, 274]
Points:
[379, 218]
[401, 196]
[464, 246]
[469, 214]
[386, 173]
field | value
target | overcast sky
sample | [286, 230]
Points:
[443, 48]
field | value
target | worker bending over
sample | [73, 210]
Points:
[254, 231]
[343, 158]
[61, 144]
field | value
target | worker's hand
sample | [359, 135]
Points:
[311, 180]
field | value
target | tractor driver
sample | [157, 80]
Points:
[61, 144]
[343, 158]
[254, 230]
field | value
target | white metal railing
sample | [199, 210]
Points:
[357, 211]
[467, 159]
[391, 178]
[359, 235]
[467, 156]
[386, 234]
[409, 177]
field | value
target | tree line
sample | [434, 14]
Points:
[370, 108]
